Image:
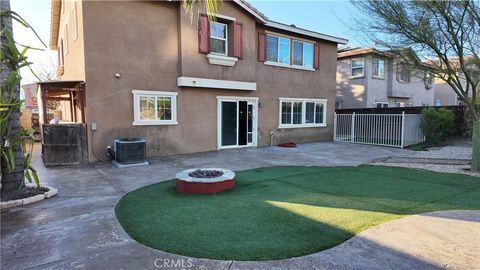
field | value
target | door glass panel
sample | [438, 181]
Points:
[250, 117]
[242, 122]
[250, 124]
[229, 123]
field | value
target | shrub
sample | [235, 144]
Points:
[436, 124]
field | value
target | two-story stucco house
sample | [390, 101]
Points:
[186, 84]
[368, 78]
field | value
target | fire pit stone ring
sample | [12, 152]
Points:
[204, 180]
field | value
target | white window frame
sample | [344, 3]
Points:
[351, 68]
[401, 104]
[75, 23]
[383, 103]
[218, 38]
[137, 94]
[373, 68]
[304, 112]
[303, 53]
[290, 64]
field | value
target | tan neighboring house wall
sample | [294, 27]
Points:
[134, 45]
[444, 94]
[368, 90]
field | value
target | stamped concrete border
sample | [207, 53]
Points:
[47, 194]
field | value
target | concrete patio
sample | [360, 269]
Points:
[78, 229]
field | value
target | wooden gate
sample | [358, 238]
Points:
[64, 144]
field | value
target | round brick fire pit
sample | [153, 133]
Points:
[204, 180]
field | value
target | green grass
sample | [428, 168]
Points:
[282, 212]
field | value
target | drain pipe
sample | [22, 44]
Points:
[271, 137]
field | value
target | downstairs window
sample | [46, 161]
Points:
[154, 108]
[297, 113]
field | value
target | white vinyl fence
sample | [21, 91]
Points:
[397, 130]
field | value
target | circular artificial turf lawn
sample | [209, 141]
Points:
[283, 212]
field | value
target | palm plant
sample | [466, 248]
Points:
[14, 153]
[211, 7]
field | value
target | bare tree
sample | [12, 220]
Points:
[444, 34]
[45, 70]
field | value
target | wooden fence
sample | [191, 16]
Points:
[64, 144]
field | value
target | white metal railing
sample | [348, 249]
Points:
[397, 130]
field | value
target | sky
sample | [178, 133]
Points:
[332, 17]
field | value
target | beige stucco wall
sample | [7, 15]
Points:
[74, 57]
[444, 94]
[151, 51]
[351, 92]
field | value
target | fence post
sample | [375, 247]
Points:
[403, 129]
[352, 133]
[334, 126]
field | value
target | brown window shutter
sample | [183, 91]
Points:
[237, 40]
[203, 34]
[262, 47]
[316, 57]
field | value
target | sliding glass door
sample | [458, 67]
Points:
[237, 123]
[229, 123]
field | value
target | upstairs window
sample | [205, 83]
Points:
[428, 80]
[403, 74]
[278, 49]
[218, 38]
[357, 67]
[302, 54]
[378, 68]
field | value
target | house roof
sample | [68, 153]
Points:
[292, 28]
[349, 52]
[55, 23]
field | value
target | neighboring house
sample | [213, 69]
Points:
[444, 94]
[150, 71]
[368, 78]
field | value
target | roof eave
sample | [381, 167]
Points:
[252, 11]
[305, 32]
[54, 23]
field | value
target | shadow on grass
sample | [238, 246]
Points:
[283, 212]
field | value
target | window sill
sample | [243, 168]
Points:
[378, 78]
[357, 77]
[155, 123]
[215, 59]
[288, 66]
[302, 126]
